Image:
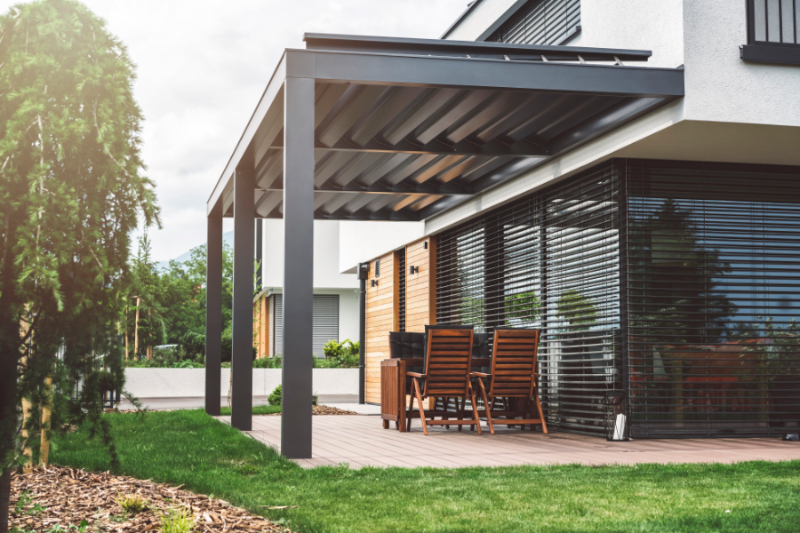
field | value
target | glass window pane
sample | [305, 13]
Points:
[761, 20]
[774, 20]
[787, 20]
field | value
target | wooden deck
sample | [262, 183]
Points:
[361, 441]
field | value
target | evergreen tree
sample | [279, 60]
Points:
[71, 192]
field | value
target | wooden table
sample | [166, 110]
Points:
[393, 388]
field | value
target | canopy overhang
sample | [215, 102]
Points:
[371, 128]
[406, 128]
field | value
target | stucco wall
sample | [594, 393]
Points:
[363, 241]
[480, 18]
[722, 87]
[637, 25]
[326, 256]
[190, 382]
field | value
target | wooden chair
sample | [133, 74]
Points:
[448, 356]
[513, 378]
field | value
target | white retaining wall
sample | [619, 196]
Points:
[190, 382]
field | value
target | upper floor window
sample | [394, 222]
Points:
[549, 22]
[773, 32]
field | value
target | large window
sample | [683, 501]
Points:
[714, 298]
[549, 261]
[673, 282]
[550, 22]
[773, 32]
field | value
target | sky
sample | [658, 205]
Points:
[202, 66]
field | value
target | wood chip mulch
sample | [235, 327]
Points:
[56, 496]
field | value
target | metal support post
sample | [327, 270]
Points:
[213, 312]
[243, 240]
[259, 252]
[298, 277]
[363, 274]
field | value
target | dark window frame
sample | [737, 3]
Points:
[779, 53]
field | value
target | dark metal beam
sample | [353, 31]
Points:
[243, 240]
[420, 71]
[445, 48]
[298, 280]
[436, 147]
[213, 311]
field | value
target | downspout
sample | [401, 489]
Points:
[363, 273]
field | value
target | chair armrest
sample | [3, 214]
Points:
[415, 375]
[479, 375]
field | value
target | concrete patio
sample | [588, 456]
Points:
[361, 441]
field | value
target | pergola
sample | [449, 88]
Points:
[375, 128]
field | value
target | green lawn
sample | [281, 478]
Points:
[188, 447]
[257, 410]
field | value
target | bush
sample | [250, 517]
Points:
[267, 362]
[275, 397]
[339, 355]
[193, 344]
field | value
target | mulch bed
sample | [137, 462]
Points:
[66, 496]
[316, 410]
[322, 410]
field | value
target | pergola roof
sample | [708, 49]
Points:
[406, 128]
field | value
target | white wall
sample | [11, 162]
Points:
[362, 241]
[480, 18]
[326, 255]
[636, 25]
[348, 315]
[190, 382]
[722, 87]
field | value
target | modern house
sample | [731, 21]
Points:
[623, 176]
[335, 305]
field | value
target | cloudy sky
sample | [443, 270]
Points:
[202, 66]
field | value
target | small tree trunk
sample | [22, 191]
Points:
[27, 452]
[136, 329]
[27, 466]
[5, 499]
[47, 409]
[126, 344]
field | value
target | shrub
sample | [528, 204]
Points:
[177, 521]
[267, 362]
[132, 503]
[345, 354]
[275, 397]
[193, 344]
[333, 349]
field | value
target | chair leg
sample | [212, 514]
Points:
[474, 407]
[418, 394]
[539, 408]
[460, 404]
[446, 407]
[486, 406]
[410, 410]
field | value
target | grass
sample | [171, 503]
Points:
[188, 447]
[257, 410]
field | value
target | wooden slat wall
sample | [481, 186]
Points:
[261, 326]
[421, 287]
[383, 301]
[380, 320]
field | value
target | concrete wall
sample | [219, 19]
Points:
[190, 382]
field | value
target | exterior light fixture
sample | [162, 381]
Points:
[425, 245]
[413, 270]
[373, 283]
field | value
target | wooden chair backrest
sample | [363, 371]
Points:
[514, 362]
[448, 357]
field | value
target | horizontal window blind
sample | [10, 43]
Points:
[713, 295]
[549, 22]
[549, 261]
[326, 321]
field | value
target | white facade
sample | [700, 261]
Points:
[733, 111]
